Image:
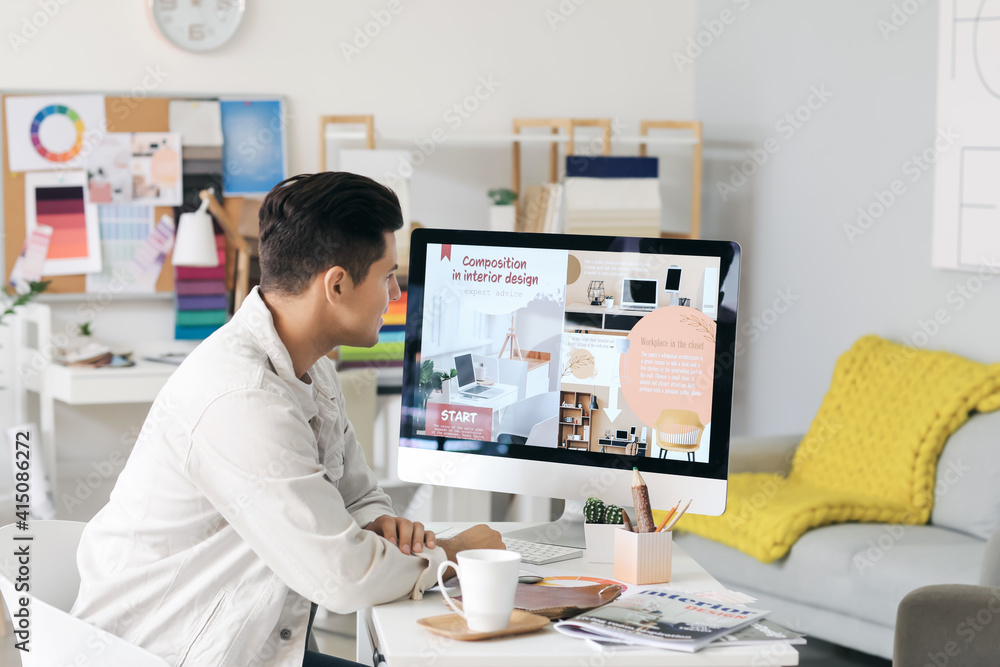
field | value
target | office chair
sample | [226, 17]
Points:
[56, 637]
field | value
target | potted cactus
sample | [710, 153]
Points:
[601, 521]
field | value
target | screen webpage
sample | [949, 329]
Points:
[606, 352]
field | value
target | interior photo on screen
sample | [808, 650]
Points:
[606, 352]
[552, 364]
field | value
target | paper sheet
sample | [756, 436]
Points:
[31, 262]
[253, 146]
[52, 131]
[109, 169]
[156, 169]
[199, 122]
[60, 200]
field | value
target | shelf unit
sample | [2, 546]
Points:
[552, 131]
[580, 426]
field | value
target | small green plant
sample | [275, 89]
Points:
[431, 379]
[502, 196]
[84, 328]
[594, 510]
[613, 514]
[34, 289]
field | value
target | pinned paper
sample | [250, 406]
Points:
[59, 199]
[31, 262]
[156, 169]
[52, 131]
[199, 122]
[109, 169]
[124, 228]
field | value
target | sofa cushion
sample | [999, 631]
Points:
[967, 490]
[861, 570]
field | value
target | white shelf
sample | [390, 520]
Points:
[676, 138]
[98, 386]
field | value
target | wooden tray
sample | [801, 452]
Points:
[454, 626]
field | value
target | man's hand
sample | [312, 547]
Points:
[408, 535]
[477, 537]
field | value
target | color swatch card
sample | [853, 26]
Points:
[50, 131]
[151, 255]
[124, 230]
[253, 149]
[31, 262]
[58, 199]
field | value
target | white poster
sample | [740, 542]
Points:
[52, 131]
[966, 154]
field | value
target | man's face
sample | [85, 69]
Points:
[367, 302]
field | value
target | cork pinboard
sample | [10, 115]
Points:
[124, 114]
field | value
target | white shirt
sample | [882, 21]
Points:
[241, 503]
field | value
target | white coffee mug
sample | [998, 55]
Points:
[489, 581]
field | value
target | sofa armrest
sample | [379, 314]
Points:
[763, 454]
[991, 563]
[948, 624]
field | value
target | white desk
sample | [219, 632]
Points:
[403, 643]
[36, 372]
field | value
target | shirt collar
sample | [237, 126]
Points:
[255, 317]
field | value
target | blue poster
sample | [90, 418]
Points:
[253, 147]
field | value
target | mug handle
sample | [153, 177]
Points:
[444, 591]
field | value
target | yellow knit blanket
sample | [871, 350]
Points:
[870, 454]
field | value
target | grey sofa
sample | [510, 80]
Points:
[844, 583]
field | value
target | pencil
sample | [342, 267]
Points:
[677, 517]
[667, 518]
[627, 521]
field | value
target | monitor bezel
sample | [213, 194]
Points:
[477, 453]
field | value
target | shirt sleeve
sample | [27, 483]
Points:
[364, 499]
[254, 457]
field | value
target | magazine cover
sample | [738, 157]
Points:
[662, 619]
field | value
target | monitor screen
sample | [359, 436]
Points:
[639, 291]
[567, 373]
[466, 373]
[673, 279]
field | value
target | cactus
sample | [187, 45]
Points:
[593, 510]
[613, 514]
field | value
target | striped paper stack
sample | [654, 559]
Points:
[388, 352]
[201, 297]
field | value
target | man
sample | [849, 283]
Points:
[247, 497]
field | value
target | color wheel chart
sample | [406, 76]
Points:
[50, 112]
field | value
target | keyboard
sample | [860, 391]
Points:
[641, 309]
[536, 553]
[481, 391]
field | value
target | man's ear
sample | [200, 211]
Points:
[336, 283]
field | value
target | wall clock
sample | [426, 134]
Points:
[197, 25]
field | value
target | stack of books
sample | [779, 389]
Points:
[542, 209]
[202, 304]
[388, 352]
[618, 193]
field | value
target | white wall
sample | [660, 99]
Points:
[552, 58]
[790, 216]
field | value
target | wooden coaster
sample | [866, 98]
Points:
[454, 626]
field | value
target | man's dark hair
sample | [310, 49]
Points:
[312, 222]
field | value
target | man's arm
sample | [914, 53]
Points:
[255, 460]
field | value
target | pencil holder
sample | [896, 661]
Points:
[643, 558]
[601, 541]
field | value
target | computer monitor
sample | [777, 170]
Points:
[563, 383]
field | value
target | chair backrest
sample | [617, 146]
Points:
[544, 433]
[520, 416]
[56, 637]
[514, 372]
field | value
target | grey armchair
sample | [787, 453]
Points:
[950, 624]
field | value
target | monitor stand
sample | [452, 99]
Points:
[566, 531]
